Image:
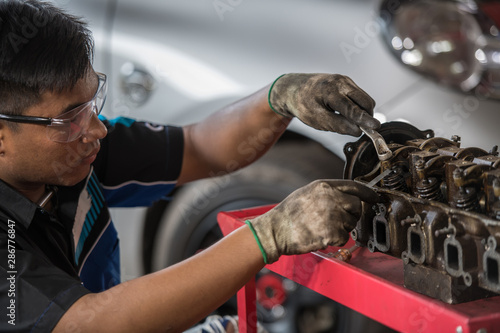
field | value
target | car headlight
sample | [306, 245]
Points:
[454, 42]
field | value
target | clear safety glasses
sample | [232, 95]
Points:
[70, 125]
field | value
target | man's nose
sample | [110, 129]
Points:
[95, 131]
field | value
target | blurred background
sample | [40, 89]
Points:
[430, 63]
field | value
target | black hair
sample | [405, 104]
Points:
[42, 49]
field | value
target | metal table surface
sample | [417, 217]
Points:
[371, 283]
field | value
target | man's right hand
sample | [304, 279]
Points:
[327, 102]
[313, 217]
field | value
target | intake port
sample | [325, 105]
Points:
[459, 263]
[452, 257]
[381, 239]
[415, 244]
[492, 270]
[380, 232]
[489, 278]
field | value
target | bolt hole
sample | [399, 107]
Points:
[467, 279]
[371, 246]
[354, 234]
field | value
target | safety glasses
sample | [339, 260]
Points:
[70, 125]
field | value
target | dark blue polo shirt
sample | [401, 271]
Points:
[48, 261]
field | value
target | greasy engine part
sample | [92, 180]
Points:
[439, 211]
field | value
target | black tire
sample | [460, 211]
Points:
[189, 222]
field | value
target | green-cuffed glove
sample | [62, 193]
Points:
[327, 102]
[313, 217]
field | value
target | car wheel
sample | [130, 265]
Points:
[189, 224]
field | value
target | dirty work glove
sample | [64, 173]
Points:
[313, 217]
[327, 102]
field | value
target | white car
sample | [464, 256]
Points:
[434, 64]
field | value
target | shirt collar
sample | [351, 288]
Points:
[16, 206]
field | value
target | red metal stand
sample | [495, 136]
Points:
[247, 308]
[372, 284]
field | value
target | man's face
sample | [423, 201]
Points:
[32, 160]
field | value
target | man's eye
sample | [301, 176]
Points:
[79, 117]
[74, 127]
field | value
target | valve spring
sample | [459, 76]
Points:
[496, 213]
[429, 189]
[395, 181]
[467, 200]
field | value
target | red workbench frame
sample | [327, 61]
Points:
[371, 283]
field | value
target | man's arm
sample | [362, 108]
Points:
[242, 132]
[231, 138]
[311, 218]
[174, 298]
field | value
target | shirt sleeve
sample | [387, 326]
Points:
[139, 162]
[34, 294]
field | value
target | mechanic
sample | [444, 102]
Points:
[61, 167]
